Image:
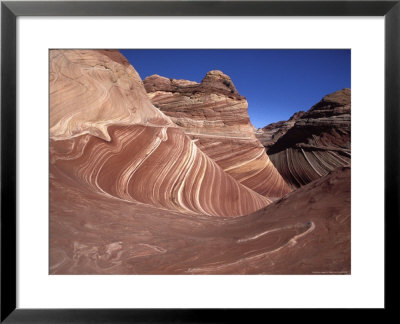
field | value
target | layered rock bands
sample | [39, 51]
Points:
[311, 144]
[214, 115]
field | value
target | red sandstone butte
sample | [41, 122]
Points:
[214, 115]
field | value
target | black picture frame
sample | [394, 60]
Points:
[10, 10]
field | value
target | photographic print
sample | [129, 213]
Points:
[173, 161]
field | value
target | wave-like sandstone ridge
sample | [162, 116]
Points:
[311, 144]
[215, 116]
[105, 132]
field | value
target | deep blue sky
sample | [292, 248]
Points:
[276, 83]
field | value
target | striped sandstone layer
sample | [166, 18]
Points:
[215, 116]
[316, 143]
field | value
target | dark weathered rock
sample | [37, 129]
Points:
[316, 143]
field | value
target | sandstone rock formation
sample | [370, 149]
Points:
[317, 142]
[106, 133]
[131, 193]
[215, 116]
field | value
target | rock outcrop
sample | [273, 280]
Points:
[270, 134]
[105, 133]
[317, 142]
[214, 115]
[212, 107]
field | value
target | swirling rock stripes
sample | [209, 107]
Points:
[105, 132]
[301, 166]
[90, 90]
[158, 166]
[246, 161]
